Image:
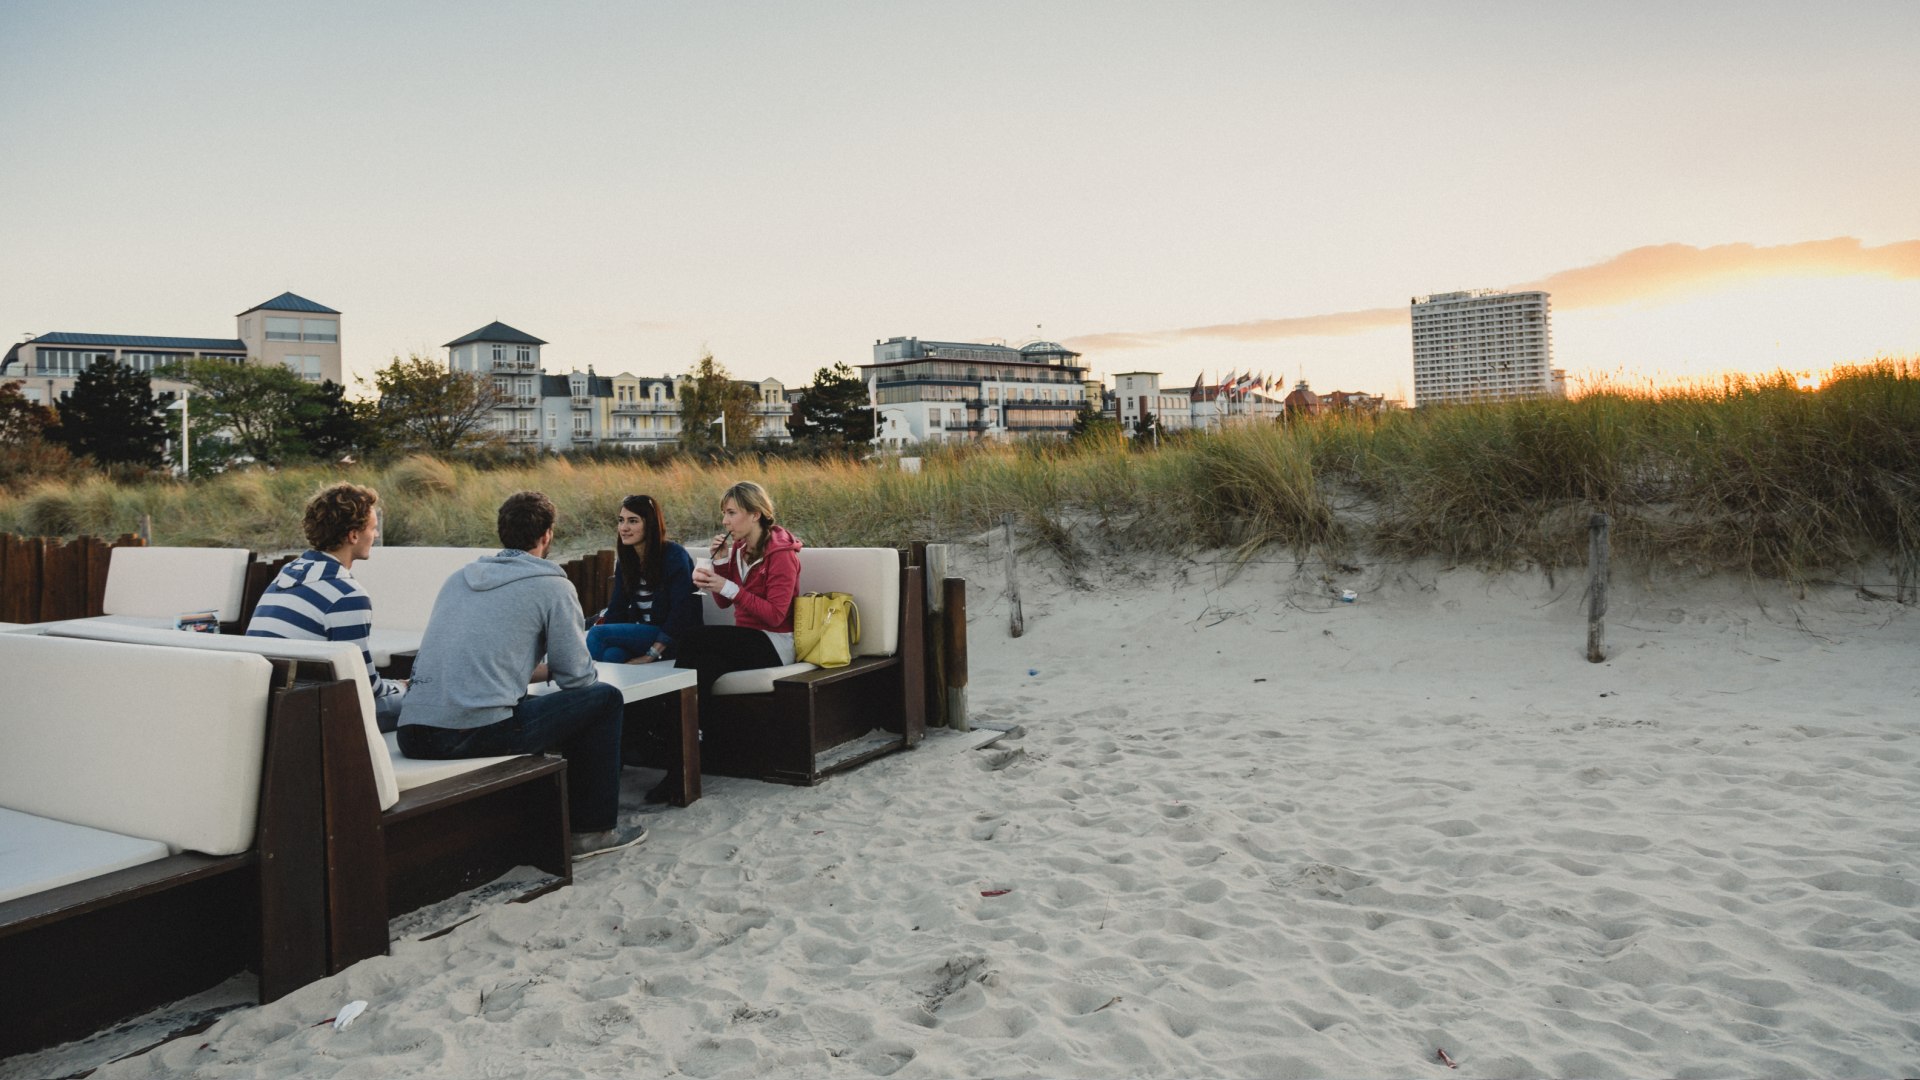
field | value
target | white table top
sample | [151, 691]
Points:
[636, 681]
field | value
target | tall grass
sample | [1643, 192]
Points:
[1750, 474]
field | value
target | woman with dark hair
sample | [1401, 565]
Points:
[653, 604]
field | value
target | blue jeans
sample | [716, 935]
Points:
[618, 643]
[583, 725]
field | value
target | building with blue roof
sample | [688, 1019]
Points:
[288, 330]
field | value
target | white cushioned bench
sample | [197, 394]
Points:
[403, 583]
[798, 722]
[137, 783]
[400, 833]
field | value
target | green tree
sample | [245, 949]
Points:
[28, 450]
[834, 411]
[329, 426]
[1090, 424]
[110, 416]
[255, 405]
[425, 407]
[709, 394]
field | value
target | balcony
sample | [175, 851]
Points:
[516, 365]
[582, 402]
[518, 401]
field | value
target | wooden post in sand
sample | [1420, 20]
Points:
[1016, 625]
[1597, 588]
[955, 610]
[934, 562]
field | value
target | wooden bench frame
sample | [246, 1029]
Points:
[812, 724]
[439, 840]
[84, 955]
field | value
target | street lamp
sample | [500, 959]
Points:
[723, 429]
[186, 437]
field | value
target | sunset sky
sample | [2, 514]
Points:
[1168, 187]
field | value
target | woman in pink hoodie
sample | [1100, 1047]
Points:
[755, 570]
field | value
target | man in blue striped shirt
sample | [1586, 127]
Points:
[315, 598]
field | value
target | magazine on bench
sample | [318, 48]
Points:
[202, 622]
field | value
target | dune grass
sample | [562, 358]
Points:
[1748, 474]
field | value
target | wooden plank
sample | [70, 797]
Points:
[98, 557]
[913, 678]
[292, 843]
[689, 748]
[259, 576]
[954, 613]
[69, 587]
[356, 845]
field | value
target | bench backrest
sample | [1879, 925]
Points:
[164, 582]
[870, 575]
[403, 582]
[344, 658]
[162, 744]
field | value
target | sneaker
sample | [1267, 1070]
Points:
[588, 844]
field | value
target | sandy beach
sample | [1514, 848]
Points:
[1241, 829]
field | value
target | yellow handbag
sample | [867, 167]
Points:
[826, 626]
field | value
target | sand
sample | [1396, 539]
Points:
[1243, 829]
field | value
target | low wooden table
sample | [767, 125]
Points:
[642, 686]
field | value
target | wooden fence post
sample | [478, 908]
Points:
[20, 590]
[1597, 575]
[955, 609]
[934, 565]
[1016, 623]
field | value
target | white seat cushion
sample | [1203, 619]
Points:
[411, 773]
[167, 582]
[343, 656]
[756, 680]
[162, 744]
[37, 854]
[403, 582]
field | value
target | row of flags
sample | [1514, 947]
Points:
[1238, 386]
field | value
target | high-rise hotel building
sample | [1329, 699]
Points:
[1481, 345]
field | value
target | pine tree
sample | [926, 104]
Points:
[111, 417]
[834, 411]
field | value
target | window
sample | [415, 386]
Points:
[498, 353]
[954, 417]
[580, 425]
[307, 367]
[933, 418]
[67, 361]
[282, 329]
[322, 330]
[553, 425]
[524, 354]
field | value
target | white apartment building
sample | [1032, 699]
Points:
[933, 391]
[289, 330]
[1481, 345]
[1134, 390]
[582, 410]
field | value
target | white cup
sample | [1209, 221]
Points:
[703, 564]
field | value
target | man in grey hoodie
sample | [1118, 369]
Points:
[492, 623]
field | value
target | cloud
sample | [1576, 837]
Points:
[1656, 272]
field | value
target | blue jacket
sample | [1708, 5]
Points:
[674, 607]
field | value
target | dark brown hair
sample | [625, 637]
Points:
[649, 563]
[524, 518]
[335, 512]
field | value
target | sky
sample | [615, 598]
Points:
[1185, 188]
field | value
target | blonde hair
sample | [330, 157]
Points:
[753, 499]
